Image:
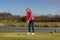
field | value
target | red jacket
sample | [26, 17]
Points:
[30, 16]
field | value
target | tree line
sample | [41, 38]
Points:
[6, 16]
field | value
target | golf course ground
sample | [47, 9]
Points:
[22, 35]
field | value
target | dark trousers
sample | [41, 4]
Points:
[31, 25]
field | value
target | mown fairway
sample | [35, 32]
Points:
[22, 35]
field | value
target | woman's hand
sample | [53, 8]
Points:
[27, 21]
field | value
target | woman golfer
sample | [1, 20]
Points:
[30, 21]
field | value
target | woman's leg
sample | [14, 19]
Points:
[29, 29]
[32, 24]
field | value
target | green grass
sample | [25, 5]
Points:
[22, 35]
[24, 24]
